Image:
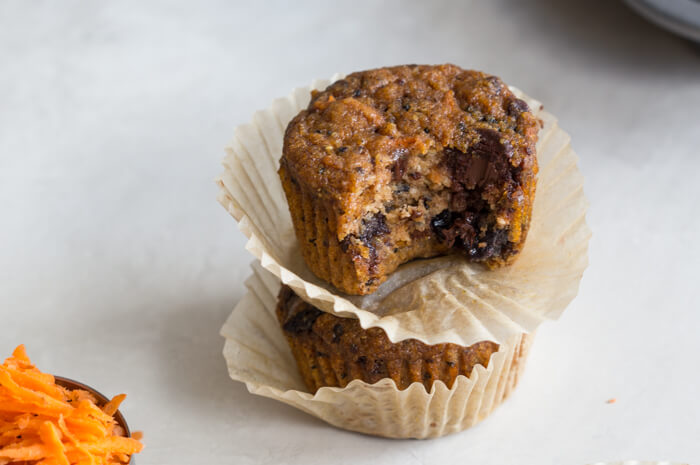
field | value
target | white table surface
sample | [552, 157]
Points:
[118, 267]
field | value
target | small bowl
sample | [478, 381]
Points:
[101, 402]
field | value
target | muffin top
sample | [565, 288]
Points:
[357, 134]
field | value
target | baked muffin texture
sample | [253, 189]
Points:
[392, 164]
[332, 351]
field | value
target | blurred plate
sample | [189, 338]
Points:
[679, 16]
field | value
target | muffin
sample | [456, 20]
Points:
[332, 351]
[392, 164]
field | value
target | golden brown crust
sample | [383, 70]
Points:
[412, 161]
[332, 351]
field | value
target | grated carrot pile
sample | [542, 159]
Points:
[43, 423]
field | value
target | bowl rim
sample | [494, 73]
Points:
[69, 383]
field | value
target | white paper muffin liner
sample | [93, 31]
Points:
[258, 355]
[440, 300]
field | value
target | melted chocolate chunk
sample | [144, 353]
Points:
[484, 164]
[442, 221]
[301, 321]
[372, 227]
[490, 145]
[493, 244]
[462, 233]
[468, 224]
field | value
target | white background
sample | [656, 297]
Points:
[118, 267]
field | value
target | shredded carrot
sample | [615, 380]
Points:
[113, 405]
[42, 423]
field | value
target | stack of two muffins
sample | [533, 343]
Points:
[385, 167]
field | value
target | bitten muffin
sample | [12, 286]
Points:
[393, 164]
[332, 351]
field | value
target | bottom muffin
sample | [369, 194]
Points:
[332, 351]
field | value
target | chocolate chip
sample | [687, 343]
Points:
[302, 321]
[357, 93]
[372, 226]
[462, 233]
[442, 220]
[406, 106]
[496, 240]
[496, 84]
[377, 367]
[489, 144]
[342, 149]
[400, 188]
[517, 106]
[340, 83]
[337, 332]
[399, 167]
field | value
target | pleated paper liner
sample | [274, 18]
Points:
[257, 354]
[439, 300]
